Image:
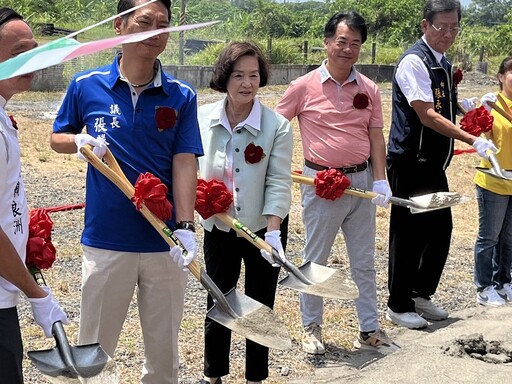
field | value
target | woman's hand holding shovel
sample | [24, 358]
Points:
[273, 238]
[384, 193]
[47, 311]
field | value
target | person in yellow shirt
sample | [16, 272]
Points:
[493, 247]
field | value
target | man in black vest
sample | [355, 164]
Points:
[420, 148]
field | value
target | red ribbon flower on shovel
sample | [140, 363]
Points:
[151, 192]
[212, 197]
[165, 118]
[331, 184]
[477, 121]
[40, 250]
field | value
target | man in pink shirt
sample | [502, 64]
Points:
[340, 119]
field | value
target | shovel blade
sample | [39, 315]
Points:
[505, 174]
[255, 321]
[88, 361]
[325, 282]
[437, 200]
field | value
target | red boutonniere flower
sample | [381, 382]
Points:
[477, 121]
[165, 118]
[153, 193]
[13, 121]
[331, 184]
[40, 250]
[253, 153]
[361, 101]
[457, 76]
[212, 197]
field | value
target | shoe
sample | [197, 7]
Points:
[506, 292]
[489, 297]
[407, 319]
[203, 381]
[312, 341]
[428, 310]
[377, 340]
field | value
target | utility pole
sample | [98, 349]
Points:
[182, 33]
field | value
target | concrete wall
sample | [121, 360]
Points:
[53, 79]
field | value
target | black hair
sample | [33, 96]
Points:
[7, 14]
[505, 66]
[433, 7]
[124, 5]
[352, 19]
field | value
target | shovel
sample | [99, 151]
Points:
[417, 204]
[496, 170]
[66, 364]
[310, 278]
[235, 311]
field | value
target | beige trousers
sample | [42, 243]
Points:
[109, 279]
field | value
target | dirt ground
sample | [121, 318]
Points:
[53, 180]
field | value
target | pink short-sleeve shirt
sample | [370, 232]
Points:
[334, 132]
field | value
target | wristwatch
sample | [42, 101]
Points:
[188, 225]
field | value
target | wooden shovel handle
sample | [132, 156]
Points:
[504, 104]
[113, 172]
[500, 110]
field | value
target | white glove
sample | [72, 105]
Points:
[488, 97]
[483, 145]
[384, 193]
[99, 145]
[188, 239]
[273, 238]
[47, 311]
[469, 104]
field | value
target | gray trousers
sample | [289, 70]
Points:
[355, 217]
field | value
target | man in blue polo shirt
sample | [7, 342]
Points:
[148, 119]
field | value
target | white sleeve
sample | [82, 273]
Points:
[413, 79]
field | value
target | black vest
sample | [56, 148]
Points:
[409, 140]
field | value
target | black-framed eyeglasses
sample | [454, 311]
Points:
[454, 30]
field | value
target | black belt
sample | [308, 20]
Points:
[350, 169]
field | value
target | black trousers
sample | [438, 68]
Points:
[418, 243]
[11, 348]
[223, 253]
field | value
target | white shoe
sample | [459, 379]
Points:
[407, 319]
[506, 292]
[312, 341]
[489, 297]
[428, 310]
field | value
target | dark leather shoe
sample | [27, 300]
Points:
[203, 381]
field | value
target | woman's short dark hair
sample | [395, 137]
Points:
[352, 19]
[433, 7]
[505, 66]
[7, 14]
[124, 5]
[224, 65]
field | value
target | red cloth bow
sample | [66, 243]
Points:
[457, 76]
[253, 153]
[360, 101]
[153, 193]
[477, 121]
[165, 118]
[331, 183]
[212, 197]
[40, 250]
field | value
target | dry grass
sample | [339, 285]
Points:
[54, 179]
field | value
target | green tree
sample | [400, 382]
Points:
[487, 12]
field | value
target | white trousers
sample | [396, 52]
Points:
[355, 216]
[109, 279]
